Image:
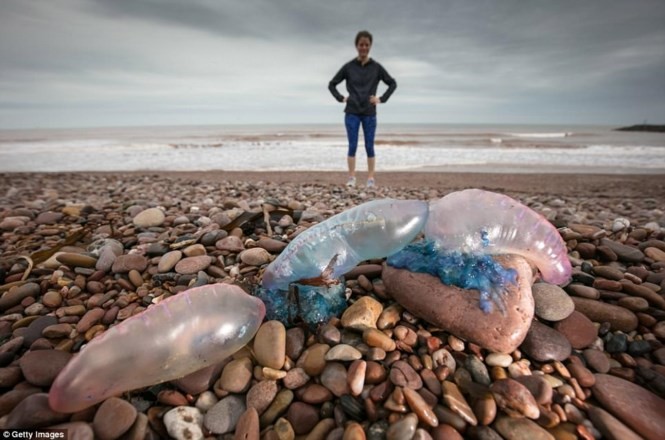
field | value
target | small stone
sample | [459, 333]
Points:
[521, 429]
[270, 344]
[34, 412]
[624, 252]
[539, 387]
[284, 430]
[635, 406]
[342, 352]
[76, 260]
[544, 344]
[498, 360]
[552, 302]
[230, 243]
[514, 398]
[255, 256]
[403, 375]
[18, 294]
[334, 377]
[149, 218]
[261, 395]
[113, 418]
[125, 263]
[454, 399]
[303, 417]
[184, 423]
[403, 429]
[41, 367]
[376, 338]
[313, 359]
[224, 416]
[420, 407]
[168, 261]
[578, 329]
[598, 311]
[192, 265]
[356, 376]
[237, 375]
[362, 314]
[609, 426]
[597, 360]
[248, 427]
[295, 378]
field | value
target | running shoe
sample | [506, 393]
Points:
[371, 183]
[351, 182]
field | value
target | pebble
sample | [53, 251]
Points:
[498, 360]
[597, 360]
[638, 408]
[41, 367]
[261, 395]
[362, 314]
[224, 416]
[454, 399]
[34, 412]
[420, 407]
[149, 217]
[125, 263]
[237, 375]
[16, 295]
[552, 303]
[521, 429]
[578, 330]
[609, 426]
[113, 418]
[598, 311]
[403, 429]
[255, 256]
[168, 261]
[543, 343]
[303, 417]
[342, 352]
[193, 265]
[248, 427]
[270, 344]
[514, 398]
[334, 377]
[184, 423]
[76, 260]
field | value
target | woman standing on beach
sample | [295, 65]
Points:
[362, 75]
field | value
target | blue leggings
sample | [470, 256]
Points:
[352, 123]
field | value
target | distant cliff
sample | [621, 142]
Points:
[644, 127]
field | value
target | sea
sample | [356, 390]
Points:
[399, 147]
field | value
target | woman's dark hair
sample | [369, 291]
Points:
[363, 34]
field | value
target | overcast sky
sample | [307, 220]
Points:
[82, 63]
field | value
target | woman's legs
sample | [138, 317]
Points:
[352, 123]
[369, 130]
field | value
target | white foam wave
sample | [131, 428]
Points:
[542, 135]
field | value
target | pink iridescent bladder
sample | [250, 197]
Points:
[180, 335]
[483, 222]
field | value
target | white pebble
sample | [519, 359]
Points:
[184, 422]
[206, 400]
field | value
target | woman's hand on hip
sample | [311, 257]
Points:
[374, 100]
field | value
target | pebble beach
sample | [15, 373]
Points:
[82, 252]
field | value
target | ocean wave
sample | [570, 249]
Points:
[562, 134]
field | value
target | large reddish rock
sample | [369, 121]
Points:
[635, 406]
[456, 310]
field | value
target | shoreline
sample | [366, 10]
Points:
[612, 186]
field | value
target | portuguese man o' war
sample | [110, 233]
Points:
[474, 221]
[180, 335]
[328, 250]
[466, 228]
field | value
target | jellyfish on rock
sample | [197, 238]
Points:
[466, 227]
